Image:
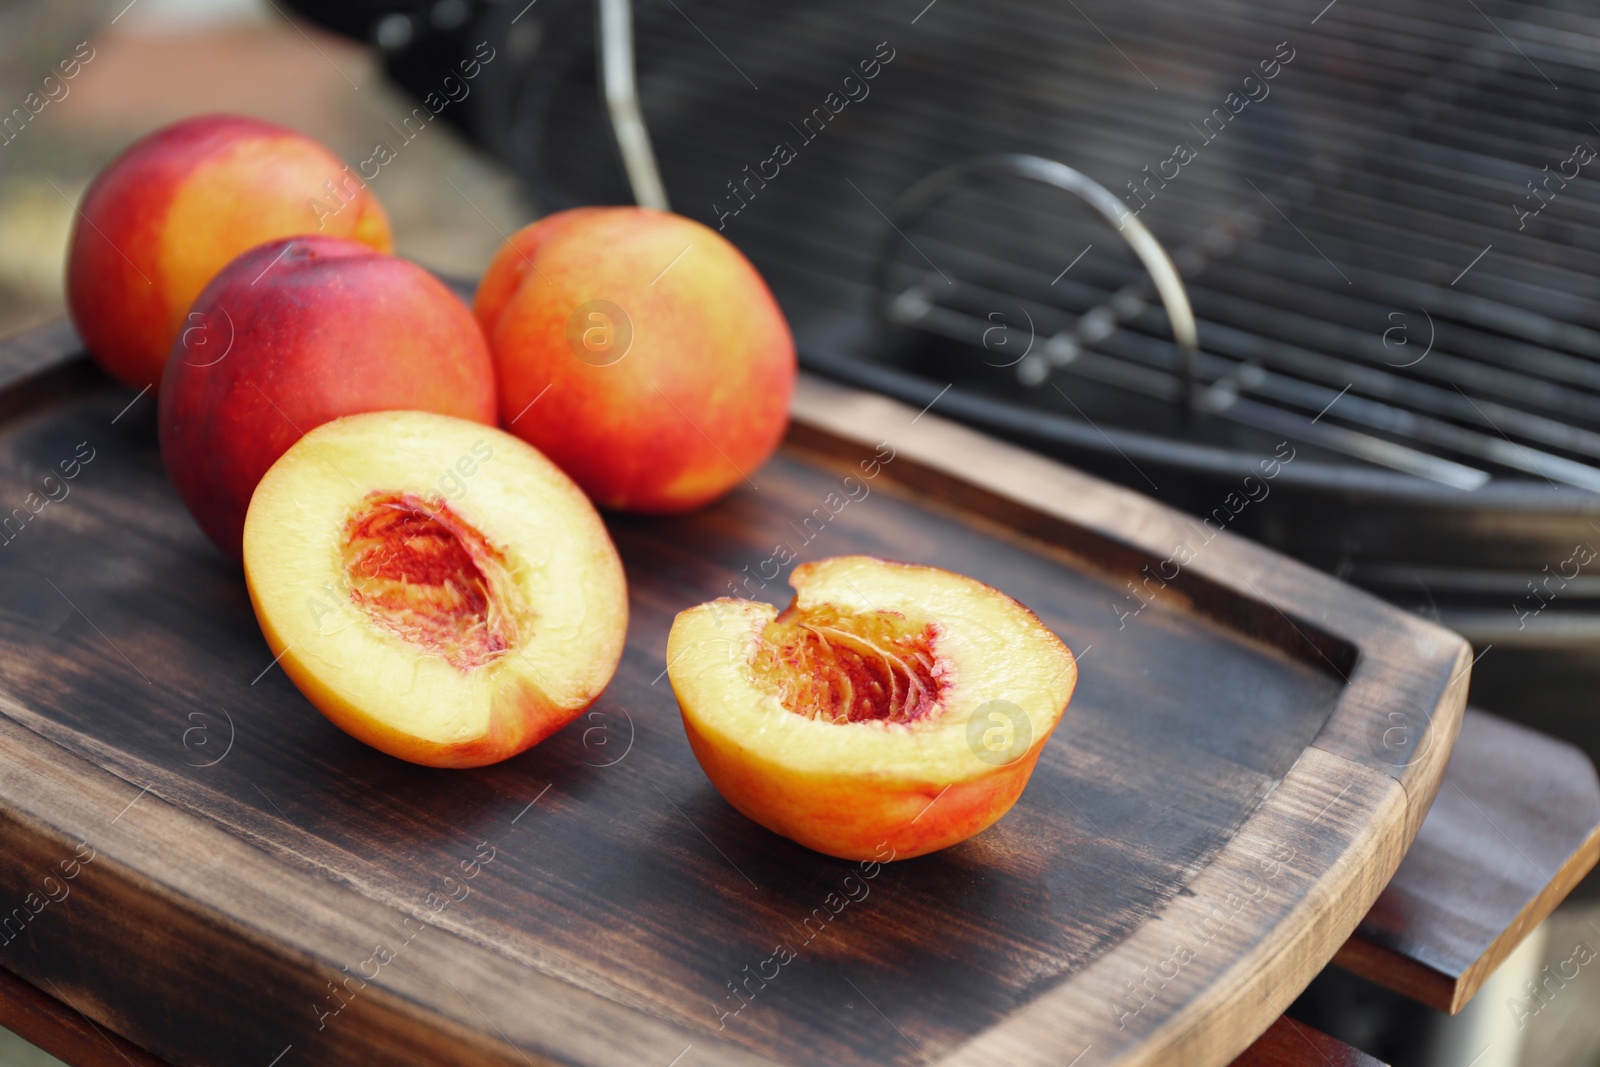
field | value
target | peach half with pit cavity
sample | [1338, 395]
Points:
[889, 707]
[437, 588]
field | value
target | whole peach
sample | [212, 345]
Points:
[296, 333]
[667, 363]
[168, 213]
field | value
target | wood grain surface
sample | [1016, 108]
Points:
[1288, 1043]
[41, 1018]
[1438, 893]
[1223, 802]
[1515, 827]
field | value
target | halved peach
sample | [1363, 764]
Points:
[891, 710]
[437, 588]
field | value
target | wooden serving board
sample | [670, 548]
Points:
[1240, 772]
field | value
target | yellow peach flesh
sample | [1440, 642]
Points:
[916, 654]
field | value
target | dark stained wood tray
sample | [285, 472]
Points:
[1241, 770]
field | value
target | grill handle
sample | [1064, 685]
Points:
[922, 196]
[621, 93]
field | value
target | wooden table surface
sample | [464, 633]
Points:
[1515, 826]
[1223, 802]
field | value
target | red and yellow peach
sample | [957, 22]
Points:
[168, 213]
[666, 360]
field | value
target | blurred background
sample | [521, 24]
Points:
[165, 59]
[1385, 219]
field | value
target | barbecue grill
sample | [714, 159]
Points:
[1384, 213]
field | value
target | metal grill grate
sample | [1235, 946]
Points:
[1348, 239]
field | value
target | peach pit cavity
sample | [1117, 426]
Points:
[844, 667]
[421, 572]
